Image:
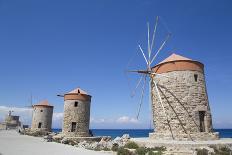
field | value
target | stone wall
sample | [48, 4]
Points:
[3, 126]
[80, 115]
[42, 114]
[183, 96]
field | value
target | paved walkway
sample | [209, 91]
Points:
[11, 143]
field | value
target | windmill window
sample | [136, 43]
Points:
[75, 104]
[195, 77]
[73, 129]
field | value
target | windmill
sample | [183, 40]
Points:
[149, 58]
[178, 112]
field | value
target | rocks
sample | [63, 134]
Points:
[48, 138]
[57, 138]
[106, 138]
[121, 141]
[94, 143]
[64, 141]
[126, 136]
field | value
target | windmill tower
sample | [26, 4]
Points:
[42, 116]
[76, 113]
[179, 100]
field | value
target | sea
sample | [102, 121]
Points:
[224, 133]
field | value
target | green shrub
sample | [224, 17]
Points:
[114, 147]
[131, 145]
[151, 153]
[222, 151]
[97, 149]
[141, 151]
[202, 151]
[123, 151]
[106, 149]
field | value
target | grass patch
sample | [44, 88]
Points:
[151, 153]
[141, 151]
[131, 145]
[123, 151]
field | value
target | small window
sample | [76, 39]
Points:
[73, 129]
[41, 110]
[75, 104]
[195, 77]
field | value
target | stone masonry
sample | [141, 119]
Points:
[185, 101]
[76, 114]
[42, 117]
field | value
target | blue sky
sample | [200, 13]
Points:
[51, 47]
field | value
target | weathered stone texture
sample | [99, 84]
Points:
[183, 97]
[43, 115]
[80, 115]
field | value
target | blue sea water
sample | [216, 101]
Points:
[224, 133]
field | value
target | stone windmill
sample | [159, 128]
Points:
[178, 95]
[42, 116]
[76, 113]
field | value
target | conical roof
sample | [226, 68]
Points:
[177, 62]
[43, 103]
[78, 91]
[77, 94]
[174, 57]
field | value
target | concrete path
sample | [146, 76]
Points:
[11, 143]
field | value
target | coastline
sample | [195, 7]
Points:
[140, 133]
[12, 143]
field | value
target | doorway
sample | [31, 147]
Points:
[40, 125]
[202, 121]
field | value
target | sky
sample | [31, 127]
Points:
[52, 47]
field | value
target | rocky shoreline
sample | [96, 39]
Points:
[126, 145]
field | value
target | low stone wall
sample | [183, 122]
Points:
[202, 136]
[2, 126]
[35, 132]
[64, 139]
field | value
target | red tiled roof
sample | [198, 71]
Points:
[43, 103]
[174, 57]
[78, 91]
